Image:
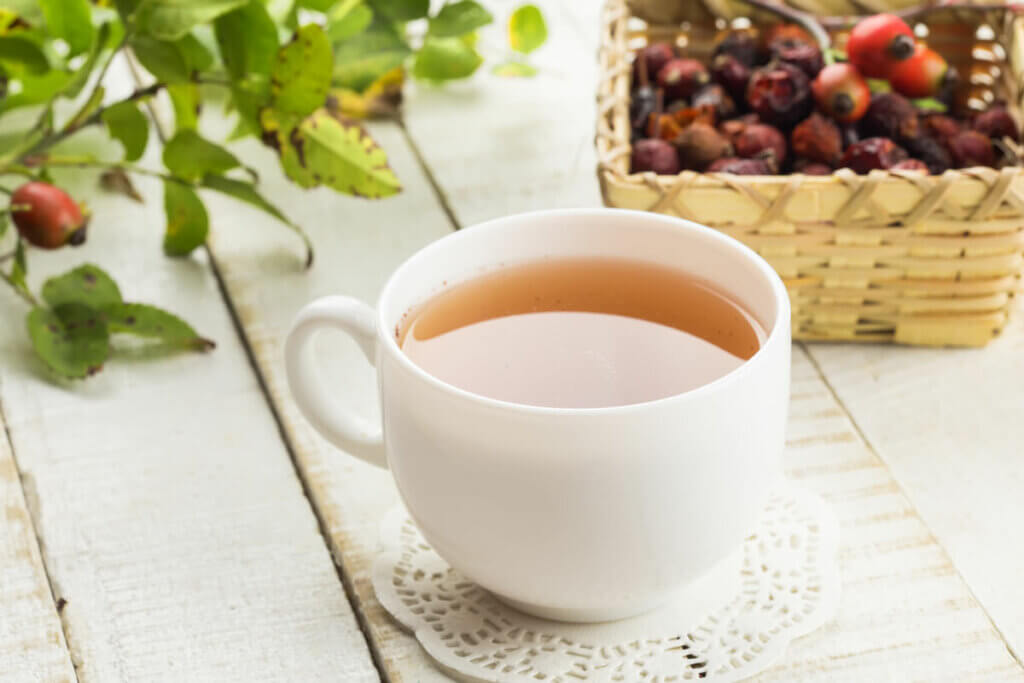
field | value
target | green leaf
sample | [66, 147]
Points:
[143, 320]
[129, 126]
[347, 19]
[185, 101]
[87, 284]
[458, 18]
[835, 54]
[444, 59]
[72, 340]
[23, 52]
[301, 75]
[36, 90]
[196, 55]
[514, 70]
[317, 5]
[247, 192]
[876, 85]
[364, 58]
[929, 104]
[81, 77]
[247, 39]
[190, 156]
[70, 20]
[5, 223]
[28, 10]
[19, 269]
[526, 29]
[172, 19]
[161, 58]
[187, 221]
[401, 10]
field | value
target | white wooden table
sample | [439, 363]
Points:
[179, 521]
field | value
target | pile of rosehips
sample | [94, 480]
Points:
[769, 103]
[47, 217]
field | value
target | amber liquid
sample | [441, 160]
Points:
[580, 333]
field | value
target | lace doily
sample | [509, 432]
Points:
[782, 584]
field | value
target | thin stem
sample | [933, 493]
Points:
[6, 191]
[24, 294]
[207, 80]
[86, 162]
[803, 19]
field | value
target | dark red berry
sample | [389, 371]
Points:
[971, 148]
[808, 167]
[700, 144]
[654, 57]
[872, 153]
[818, 139]
[46, 216]
[841, 92]
[780, 94]
[757, 138]
[806, 56]
[681, 78]
[911, 165]
[890, 116]
[732, 74]
[940, 127]
[932, 153]
[877, 42]
[738, 43]
[714, 96]
[920, 75]
[996, 123]
[739, 166]
[655, 155]
[732, 128]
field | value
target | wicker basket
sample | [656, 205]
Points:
[889, 256]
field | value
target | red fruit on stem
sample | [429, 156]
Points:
[682, 77]
[841, 92]
[738, 166]
[655, 155]
[878, 42]
[656, 56]
[780, 94]
[971, 148]
[757, 138]
[46, 216]
[818, 139]
[920, 75]
[996, 123]
[872, 153]
[911, 165]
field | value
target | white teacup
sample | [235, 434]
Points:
[579, 514]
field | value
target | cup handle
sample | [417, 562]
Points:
[348, 432]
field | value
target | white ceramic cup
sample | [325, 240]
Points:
[579, 514]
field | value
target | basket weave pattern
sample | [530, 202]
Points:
[889, 256]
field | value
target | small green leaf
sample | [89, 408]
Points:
[172, 19]
[835, 54]
[143, 320]
[72, 339]
[514, 70]
[26, 53]
[317, 5]
[301, 74]
[190, 156]
[401, 10]
[247, 39]
[70, 20]
[19, 269]
[87, 108]
[185, 101]
[36, 90]
[129, 126]
[5, 223]
[526, 29]
[161, 58]
[877, 85]
[364, 58]
[87, 284]
[347, 19]
[196, 55]
[28, 10]
[187, 221]
[459, 18]
[444, 59]
[929, 104]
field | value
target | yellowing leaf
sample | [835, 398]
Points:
[382, 99]
[514, 70]
[301, 73]
[459, 18]
[187, 220]
[526, 29]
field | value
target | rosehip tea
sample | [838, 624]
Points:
[580, 333]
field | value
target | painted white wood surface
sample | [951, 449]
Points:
[171, 518]
[32, 646]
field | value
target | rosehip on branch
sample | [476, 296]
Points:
[920, 75]
[46, 216]
[878, 42]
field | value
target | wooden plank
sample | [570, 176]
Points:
[32, 646]
[949, 424]
[171, 517]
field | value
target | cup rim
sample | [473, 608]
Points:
[777, 334]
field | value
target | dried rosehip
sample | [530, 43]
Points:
[700, 144]
[46, 216]
[996, 123]
[776, 34]
[971, 148]
[655, 155]
[808, 167]
[642, 103]
[738, 43]
[663, 126]
[714, 96]
[940, 126]
[930, 152]
[911, 165]
[818, 139]
[780, 94]
[757, 138]
[733, 74]
[878, 42]
[806, 56]
[653, 57]
[872, 153]
[738, 166]
[920, 75]
[682, 77]
[841, 92]
[732, 128]
[890, 116]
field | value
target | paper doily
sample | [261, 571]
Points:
[782, 584]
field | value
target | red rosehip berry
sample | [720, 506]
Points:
[655, 155]
[46, 216]
[780, 94]
[920, 75]
[971, 148]
[841, 92]
[818, 139]
[680, 78]
[699, 145]
[872, 153]
[996, 123]
[653, 57]
[758, 137]
[878, 42]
